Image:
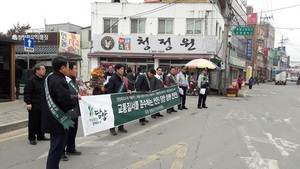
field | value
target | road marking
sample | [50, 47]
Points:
[90, 141]
[240, 115]
[267, 118]
[177, 164]
[13, 137]
[256, 161]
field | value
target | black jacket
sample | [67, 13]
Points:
[131, 81]
[33, 91]
[61, 95]
[155, 84]
[114, 84]
[75, 113]
[141, 83]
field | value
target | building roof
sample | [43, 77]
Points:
[8, 40]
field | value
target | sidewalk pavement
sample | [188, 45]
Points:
[13, 114]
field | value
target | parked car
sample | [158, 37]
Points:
[294, 78]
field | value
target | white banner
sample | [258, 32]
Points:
[96, 113]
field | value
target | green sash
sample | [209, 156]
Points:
[148, 82]
[57, 113]
[122, 86]
[72, 85]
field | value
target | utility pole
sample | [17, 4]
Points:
[281, 52]
[226, 49]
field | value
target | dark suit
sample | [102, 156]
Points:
[141, 84]
[61, 95]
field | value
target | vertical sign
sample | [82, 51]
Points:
[252, 19]
[249, 50]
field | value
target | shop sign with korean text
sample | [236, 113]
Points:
[102, 112]
[69, 43]
[156, 44]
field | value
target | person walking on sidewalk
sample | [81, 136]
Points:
[56, 106]
[182, 79]
[203, 84]
[116, 84]
[240, 81]
[75, 113]
[32, 97]
[250, 82]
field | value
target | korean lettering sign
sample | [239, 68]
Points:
[156, 44]
[249, 50]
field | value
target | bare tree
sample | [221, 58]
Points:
[17, 29]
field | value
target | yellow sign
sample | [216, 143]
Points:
[69, 43]
[248, 73]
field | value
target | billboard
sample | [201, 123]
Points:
[69, 43]
[252, 19]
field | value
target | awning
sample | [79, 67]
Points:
[185, 57]
[119, 55]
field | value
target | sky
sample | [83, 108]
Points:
[37, 12]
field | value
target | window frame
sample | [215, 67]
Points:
[138, 25]
[111, 22]
[165, 26]
[194, 30]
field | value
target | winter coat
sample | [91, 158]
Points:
[141, 83]
[33, 91]
[114, 84]
[61, 96]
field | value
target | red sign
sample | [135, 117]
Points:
[252, 19]
[265, 51]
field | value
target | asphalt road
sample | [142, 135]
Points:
[258, 131]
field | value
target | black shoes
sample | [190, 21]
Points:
[179, 108]
[64, 158]
[43, 139]
[204, 107]
[32, 142]
[73, 153]
[184, 108]
[159, 115]
[174, 110]
[199, 107]
[113, 131]
[169, 111]
[122, 130]
[153, 116]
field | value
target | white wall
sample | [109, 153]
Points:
[179, 12]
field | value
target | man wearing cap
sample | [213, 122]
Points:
[203, 84]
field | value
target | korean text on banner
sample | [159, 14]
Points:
[102, 112]
[69, 43]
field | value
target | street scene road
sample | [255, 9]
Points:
[257, 131]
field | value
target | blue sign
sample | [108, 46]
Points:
[281, 48]
[249, 50]
[28, 44]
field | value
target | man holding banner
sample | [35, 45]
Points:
[116, 84]
[56, 105]
[143, 84]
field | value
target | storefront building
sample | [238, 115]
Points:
[7, 69]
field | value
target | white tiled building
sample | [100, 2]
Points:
[148, 35]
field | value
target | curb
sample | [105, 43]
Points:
[13, 126]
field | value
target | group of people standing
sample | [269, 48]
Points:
[53, 108]
[52, 101]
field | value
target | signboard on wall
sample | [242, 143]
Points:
[40, 38]
[156, 44]
[249, 50]
[69, 43]
[252, 19]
